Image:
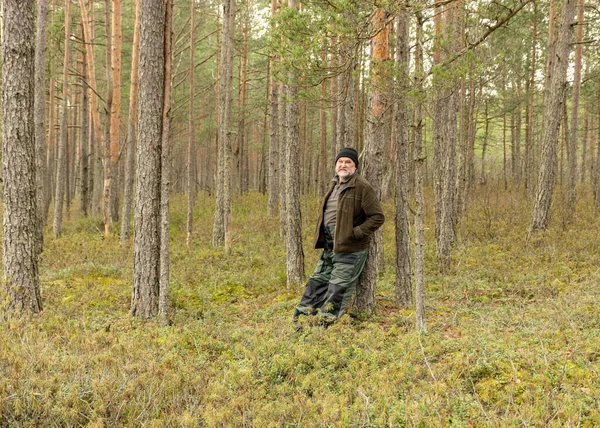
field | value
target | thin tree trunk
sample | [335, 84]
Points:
[486, 134]
[147, 234]
[553, 100]
[419, 160]
[39, 105]
[109, 169]
[20, 286]
[84, 157]
[283, 143]
[404, 294]
[222, 219]
[295, 253]
[165, 182]
[444, 137]
[191, 152]
[61, 170]
[132, 130]
[573, 138]
[584, 148]
[530, 88]
[243, 149]
[273, 148]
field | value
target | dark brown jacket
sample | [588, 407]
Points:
[358, 215]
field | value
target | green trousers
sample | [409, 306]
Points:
[330, 287]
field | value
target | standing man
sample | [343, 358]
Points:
[349, 214]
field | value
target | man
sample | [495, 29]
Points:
[349, 214]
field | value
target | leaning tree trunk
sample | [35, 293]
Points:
[554, 96]
[146, 242]
[372, 170]
[403, 259]
[20, 284]
[131, 130]
[61, 168]
[39, 104]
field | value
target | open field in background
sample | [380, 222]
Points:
[513, 332]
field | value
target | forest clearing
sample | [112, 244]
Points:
[169, 165]
[513, 333]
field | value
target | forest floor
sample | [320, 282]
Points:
[513, 331]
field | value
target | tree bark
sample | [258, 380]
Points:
[191, 152]
[530, 89]
[444, 140]
[222, 219]
[61, 167]
[20, 226]
[419, 160]
[372, 171]
[293, 235]
[39, 106]
[573, 138]
[554, 92]
[132, 130]
[165, 182]
[283, 143]
[84, 157]
[404, 294]
[146, 245]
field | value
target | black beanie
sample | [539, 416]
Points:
[348, 152]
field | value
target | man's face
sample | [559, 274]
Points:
[344, 167]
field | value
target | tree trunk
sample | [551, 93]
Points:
[273, 148]
[404, 294]
[444, 141]
[243, 145]
[106, 155]
[222, 219]
[132, 130]
[146, 245]
[516, 148]
[372, 171]
[486, 134]
[573, 138]
[165, 182]
[61, 168]
[419, 177]
[39, 105]
[273, 135]
[295, 253]
[554, 92]
[20, 226]
[283, 143]
[530, 89]
[84, 158]
[116, 43]
[191, 152]
[87, 19]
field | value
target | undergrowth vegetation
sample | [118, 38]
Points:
[513, 334]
